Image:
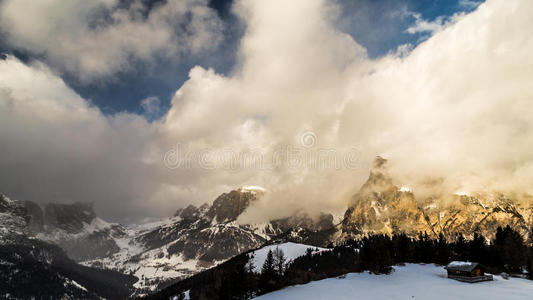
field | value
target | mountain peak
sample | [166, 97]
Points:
[191, 212]
[379, 179]
[253, 189]
[228, 206]
[69, 217]
[379, 162]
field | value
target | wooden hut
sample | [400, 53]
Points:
[467, 271]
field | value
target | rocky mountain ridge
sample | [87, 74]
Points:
[75, 228]
[197, 238]
[30, 267]
[382, 207]
[158, 253]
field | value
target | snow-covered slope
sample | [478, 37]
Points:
[94, 239]
[412, 281]
[31, 268]
[197, 238]
[151, 266]
[290, 250]
[160, 253]
[75, 228]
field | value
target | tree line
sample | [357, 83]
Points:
[507, 252]
[238, 279]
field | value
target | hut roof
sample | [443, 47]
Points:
[462, 266]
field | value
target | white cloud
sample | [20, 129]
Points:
[55, 147]
[151, 106]
[469, 4]
[457, 106]
[423, 25]
[442, 110]
[95, 39]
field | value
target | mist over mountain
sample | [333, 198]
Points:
[382, 207]
[160, 148]
[453, 109]
[195, 239]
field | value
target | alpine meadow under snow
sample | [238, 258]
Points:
[411, 281]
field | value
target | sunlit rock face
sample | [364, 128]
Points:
[480, 213]
[382, 207]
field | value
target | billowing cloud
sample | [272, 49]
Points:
[422, 25]
[151, 106]
[57, 148]
[303, 114]
[454, 108]
[95, 39]
[469, 4]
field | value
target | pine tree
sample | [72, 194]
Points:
[309, 252]
[279, 261]
[251, 266]
[375, 253]
[477, 249]
[268, 278]
[496, 248]
[461, 248]
[243, 282]
[268, 265]
[402, 250]
[530, 237]
[510, 249]
[514, 256]
[529, 266]
[443, 251]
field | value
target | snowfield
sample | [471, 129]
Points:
[412, 281]
[151, 266]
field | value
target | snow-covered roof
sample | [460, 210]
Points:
[461, 266]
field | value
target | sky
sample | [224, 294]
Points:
[380, 26]
[142, 107]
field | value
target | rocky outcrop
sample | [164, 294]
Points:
[191, 212]
[228, 206]
[36, 214]
[75, 228]
[71, 218]
[13, 220]
[211, 233]
[382, 207]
